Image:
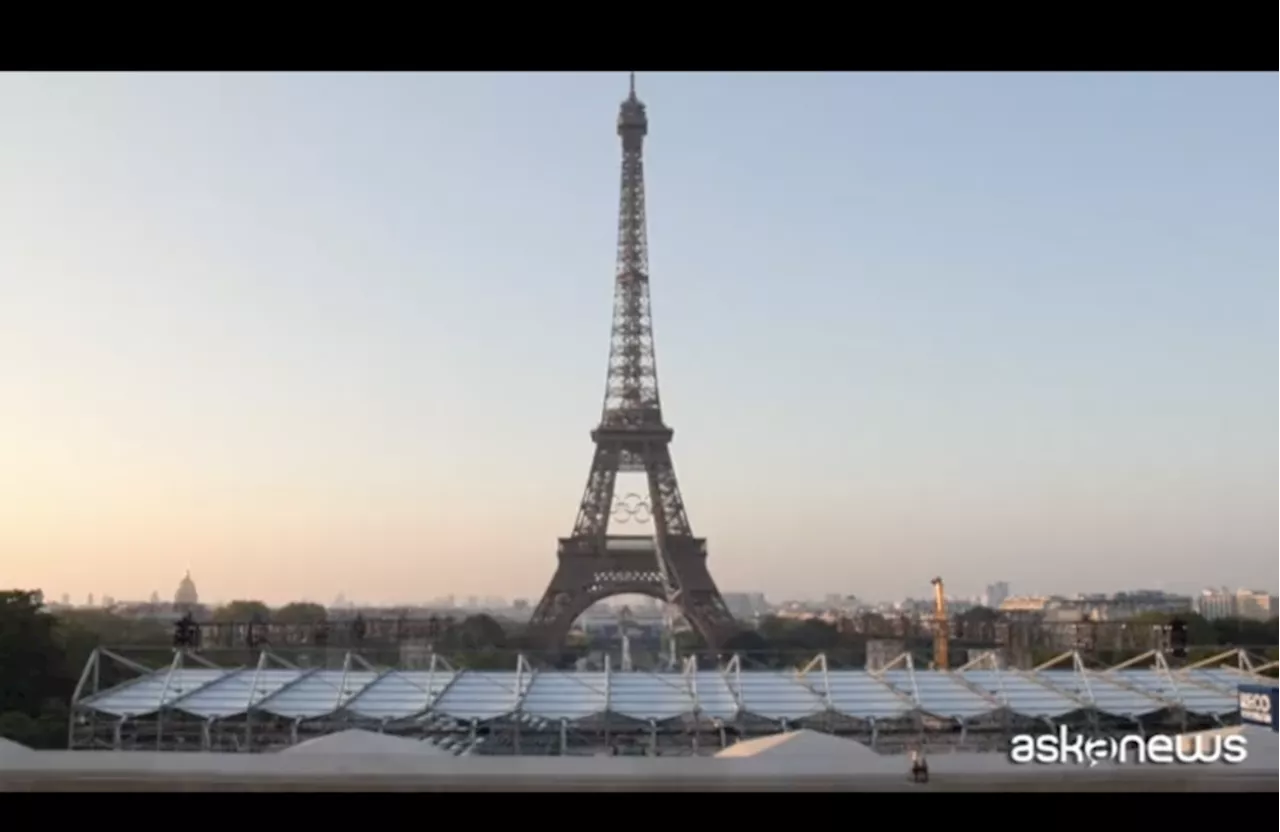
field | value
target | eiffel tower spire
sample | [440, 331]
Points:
[631, 391]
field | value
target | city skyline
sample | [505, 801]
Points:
[340, 599]
[303, 332]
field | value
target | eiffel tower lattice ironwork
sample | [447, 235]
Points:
[632, 437]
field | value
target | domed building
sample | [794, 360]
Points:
[186, 597]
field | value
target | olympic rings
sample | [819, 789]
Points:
[631, 507]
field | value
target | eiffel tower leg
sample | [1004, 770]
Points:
[597, 498]
[669, 516]
[684, 558]
[572, 580]
[565, 598]
[705, 609]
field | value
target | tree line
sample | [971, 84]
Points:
[43, 653]
[779, 642]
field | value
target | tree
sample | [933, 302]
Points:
[815, 635]
[82, 631]
[32, 661]
[110, 630]
[871, 623]
[300, 612]
[1199, 631]
[35, 680]
[22, 729]
[976, 624]
[242, 612]
[746, 641]
[809, 634]
[1244, 632]
[480, 631]
[774, 630]
[980, 615]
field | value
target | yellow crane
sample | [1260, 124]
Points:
[941, 659]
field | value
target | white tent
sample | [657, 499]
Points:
[10, 749]
[356, 741]
[814, 747]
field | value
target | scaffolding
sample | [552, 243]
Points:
[194, 704]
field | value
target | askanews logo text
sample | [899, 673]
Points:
[1069, 747]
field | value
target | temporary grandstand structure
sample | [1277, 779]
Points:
[192, 704]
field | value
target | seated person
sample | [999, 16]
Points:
[919, 766]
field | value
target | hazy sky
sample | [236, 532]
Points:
[311, 334]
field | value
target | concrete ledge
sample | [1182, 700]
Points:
[149, 771]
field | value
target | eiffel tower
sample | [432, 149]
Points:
[670, 565]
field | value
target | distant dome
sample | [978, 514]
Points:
[186, 596]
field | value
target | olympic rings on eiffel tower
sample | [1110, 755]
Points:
[631, 507]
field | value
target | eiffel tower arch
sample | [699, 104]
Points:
[671, 564]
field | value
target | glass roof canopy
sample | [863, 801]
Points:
[464, 696]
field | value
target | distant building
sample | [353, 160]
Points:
[1255, 605]
[1120, 607]
[186, 597]
[1216, 603]
[995, 595]
[1125, 605]
[1025, 603]
[745, 606]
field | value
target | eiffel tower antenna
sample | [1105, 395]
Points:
[632, 436]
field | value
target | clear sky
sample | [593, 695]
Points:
[310, 334]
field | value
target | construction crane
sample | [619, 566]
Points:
[941, 658]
